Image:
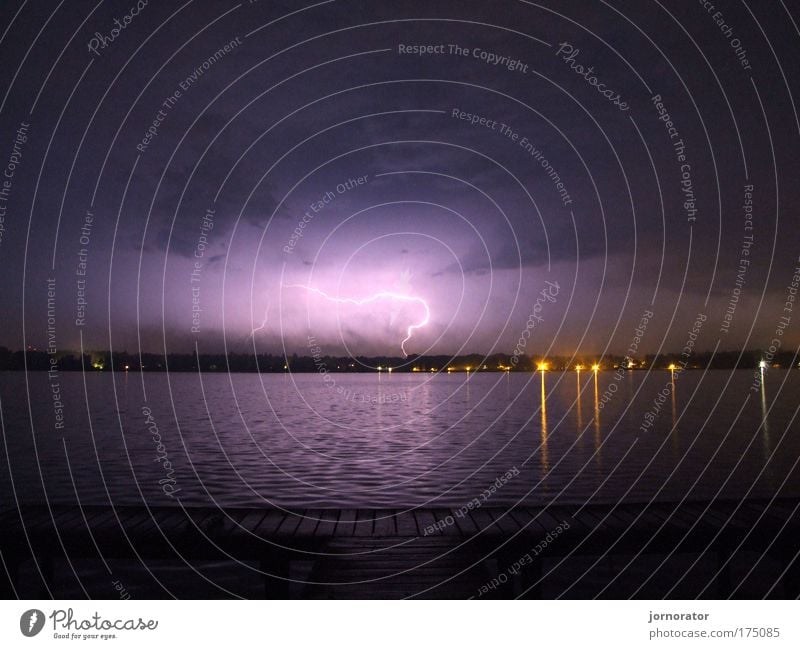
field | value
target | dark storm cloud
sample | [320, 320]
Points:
[573, 187]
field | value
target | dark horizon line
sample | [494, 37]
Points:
[69, 360]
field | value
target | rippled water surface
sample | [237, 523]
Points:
[399, 440]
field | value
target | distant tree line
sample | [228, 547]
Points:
[68, 361]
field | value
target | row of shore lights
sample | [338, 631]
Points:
[541, 367]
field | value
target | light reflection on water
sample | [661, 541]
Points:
[396, 440]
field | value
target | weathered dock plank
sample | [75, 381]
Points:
[370, 543]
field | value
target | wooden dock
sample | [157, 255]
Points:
[567, 551]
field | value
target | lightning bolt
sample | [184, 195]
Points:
[32, 621]
[263, 323]
[383, 295]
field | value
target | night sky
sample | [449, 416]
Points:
[459, 156]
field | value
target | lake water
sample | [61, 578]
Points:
[398, 440]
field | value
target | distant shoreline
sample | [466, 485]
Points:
[99, 361]
[453, 373]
